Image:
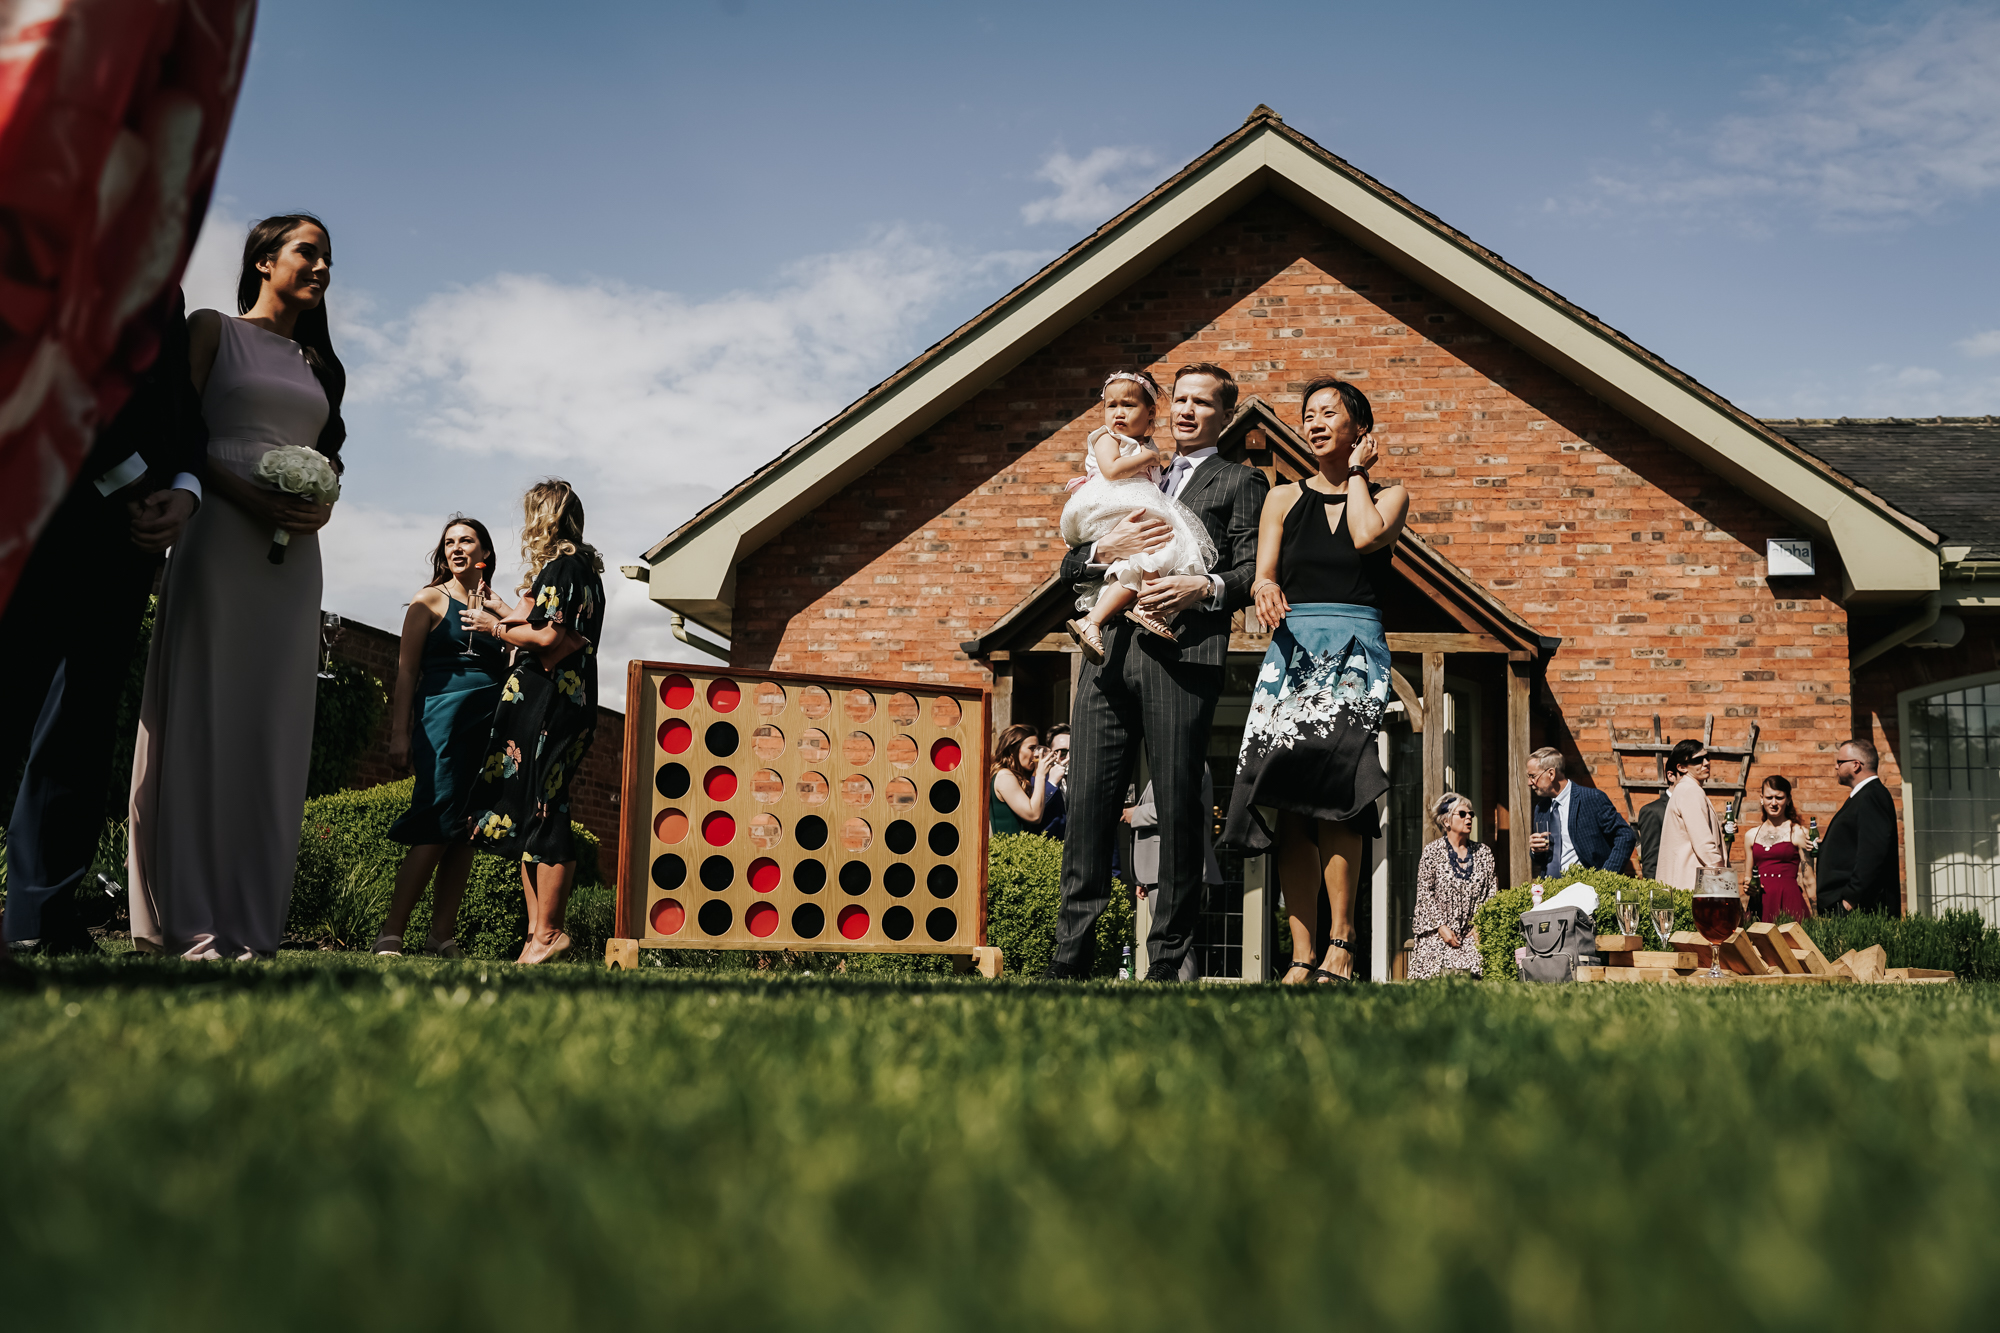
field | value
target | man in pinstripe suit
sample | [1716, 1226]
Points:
[1156, 691]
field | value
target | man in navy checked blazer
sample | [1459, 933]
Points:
[1574, 825]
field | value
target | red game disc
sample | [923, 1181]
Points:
[764, 874]
[853, 922]
[677, 691]
[668, 917]
[945, 755]
[676, 736]
[762, 920]
[723, 696]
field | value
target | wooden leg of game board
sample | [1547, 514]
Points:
[989, 960]
[621, 954]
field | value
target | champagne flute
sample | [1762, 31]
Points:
[1718, 910]
[1628, 917]
[1663, 917]
[472, 648]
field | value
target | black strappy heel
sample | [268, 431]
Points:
[1334, 978]
[1308, 965]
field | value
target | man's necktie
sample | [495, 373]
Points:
[1171, 483]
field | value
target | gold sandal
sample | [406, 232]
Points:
[1089, 639]
[1152, 624]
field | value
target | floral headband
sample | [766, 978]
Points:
[1145, 385]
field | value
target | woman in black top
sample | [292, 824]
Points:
[1309, 748]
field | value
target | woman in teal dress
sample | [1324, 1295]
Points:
[548, 710]
[448, 681]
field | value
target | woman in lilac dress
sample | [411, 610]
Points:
[226, 721]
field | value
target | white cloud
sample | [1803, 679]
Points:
[1897, 123]
[210, 280]
[652, 404]
[1090, 190]
[1981, 344]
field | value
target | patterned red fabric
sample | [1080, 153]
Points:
[112, 119]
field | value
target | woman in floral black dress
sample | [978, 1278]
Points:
[548, 710]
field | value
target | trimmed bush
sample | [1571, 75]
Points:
[1957, 941]
[345, 842]
[1499, 921]
[346, 712]
[1024, 904]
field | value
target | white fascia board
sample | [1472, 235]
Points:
[1884, 559]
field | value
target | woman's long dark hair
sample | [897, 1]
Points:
[1008, 754]
[440, 571]
[264, 242]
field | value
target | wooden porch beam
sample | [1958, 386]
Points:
[1434, 733]
[1413, 703]
[1445, 643]
[1520, 815]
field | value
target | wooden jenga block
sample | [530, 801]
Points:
[1591, 973]
[1776, 950]
[1808, 952]
[1740, 955]
[1688, 941]
[1661, 958]
[1652, 974]
[1840, 971]
[1921, 975]
[1619, 943]
[1867, 965]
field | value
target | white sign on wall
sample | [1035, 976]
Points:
[1785, 556]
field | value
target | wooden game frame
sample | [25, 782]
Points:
[645, 809]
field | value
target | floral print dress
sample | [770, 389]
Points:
[543, 726]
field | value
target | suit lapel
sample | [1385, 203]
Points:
[1204, 477]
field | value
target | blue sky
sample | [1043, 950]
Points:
[649, 246]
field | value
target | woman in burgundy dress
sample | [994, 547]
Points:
[1778, 861]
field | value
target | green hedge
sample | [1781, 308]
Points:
[347, 859]
[1024, 904]
[1499, 921]
[1958, 941]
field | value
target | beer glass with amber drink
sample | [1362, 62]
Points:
[1718, 911]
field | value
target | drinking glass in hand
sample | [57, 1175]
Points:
[1718, 910]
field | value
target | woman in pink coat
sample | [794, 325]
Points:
[1691, 836]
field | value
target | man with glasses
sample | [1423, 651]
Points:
[1857, 858]
[1574, 825]
[1690, 835]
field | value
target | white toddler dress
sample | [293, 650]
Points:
[1099, 504]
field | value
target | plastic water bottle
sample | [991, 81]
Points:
[1125, 965]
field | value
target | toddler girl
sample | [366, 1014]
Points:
[1121, 474]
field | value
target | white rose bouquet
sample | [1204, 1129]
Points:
[297, 470]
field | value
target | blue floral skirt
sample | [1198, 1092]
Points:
[1309, 745]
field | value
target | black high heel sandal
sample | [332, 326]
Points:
[1308, 965]
[1334, 978]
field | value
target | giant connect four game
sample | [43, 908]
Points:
[767, 810]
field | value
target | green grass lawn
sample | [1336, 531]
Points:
[349, 1144]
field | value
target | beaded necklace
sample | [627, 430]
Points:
[1459, 869]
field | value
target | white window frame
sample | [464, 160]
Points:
[1911, 805]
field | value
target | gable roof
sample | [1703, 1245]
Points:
[1944, 471]
[1888, 556]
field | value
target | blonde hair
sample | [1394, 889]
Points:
[551, 526]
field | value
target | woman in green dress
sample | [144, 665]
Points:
[448, 681]
[1020, 781]
[548, 709]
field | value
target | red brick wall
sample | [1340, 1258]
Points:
[593, 792]
[1586, 525]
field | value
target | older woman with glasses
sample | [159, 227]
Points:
[1690, 835]
[1455, 877]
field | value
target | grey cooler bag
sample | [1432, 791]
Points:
[1559, 940]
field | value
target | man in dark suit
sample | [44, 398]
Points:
[1651, 822]
[70, 630]
[1857, 869]
[1574, 825]
[1160, 692]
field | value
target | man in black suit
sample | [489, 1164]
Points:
[70, 630]
[1161, 692]
[1651, 822]
[1857, 869]
[1574, 825]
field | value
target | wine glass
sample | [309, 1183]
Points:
[1628, 917]
[473, 648]
[1718, 910]
[1663, 917]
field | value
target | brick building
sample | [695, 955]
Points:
[1589, 535]
[593, 793]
